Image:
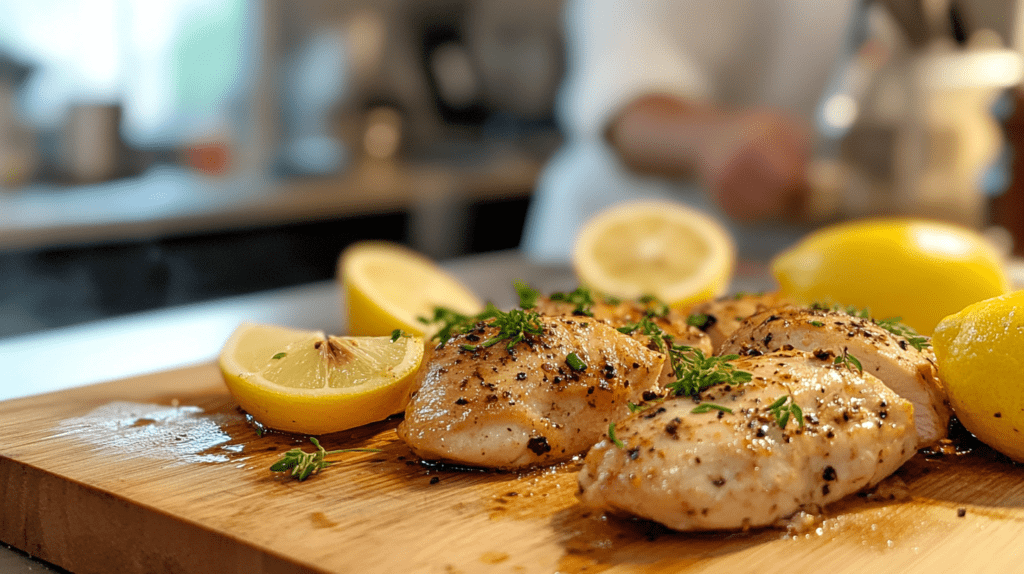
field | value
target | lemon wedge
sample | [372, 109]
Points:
[668, 250]
[915, 269]
[980, 355]
[303, 382]
[387, 287]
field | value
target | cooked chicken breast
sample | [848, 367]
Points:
[628, 312]
[722, 316]
[672, 323]
[713, 471]
[906, 370]
[500, 408]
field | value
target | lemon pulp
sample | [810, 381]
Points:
[304, 382]
[386, 286]
[663, 249]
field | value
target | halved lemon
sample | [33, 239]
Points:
[304, 382]
[387, 287]
[668, 250]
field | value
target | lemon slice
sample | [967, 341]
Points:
[915, 269]
[673, 252]
[304, 382]
[388, 287]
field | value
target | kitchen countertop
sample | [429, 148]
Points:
[175, 337]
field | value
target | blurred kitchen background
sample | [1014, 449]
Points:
[160, 153]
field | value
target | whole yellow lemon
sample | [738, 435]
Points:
[915, 269]
[980, 353]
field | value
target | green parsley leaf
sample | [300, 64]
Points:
[280, 355]
[395, 335]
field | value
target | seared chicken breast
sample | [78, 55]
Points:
[715, 470]
[908, 371]
[670, 320]
[720, 317]
[531, 404]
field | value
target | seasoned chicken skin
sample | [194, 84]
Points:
[711, 471]
[527, 406]
[906, 370]
[722, 316]
[628, 312]
[672, 322]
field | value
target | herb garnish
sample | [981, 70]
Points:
[514, 326]
[817, 323]
[782, 411]
[303, 464]
[655, 307]
[575, 362]
[705, 407]
[698, 320]
[452, 322]
[580, 297]
[849, 361]
[396, 334]
[695, 372]
[280, 355]
[527, 295]
[611, 435]
[893, 325]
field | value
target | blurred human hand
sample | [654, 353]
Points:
[755, 165]
[754, 162]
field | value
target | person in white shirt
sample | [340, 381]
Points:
[664, 97]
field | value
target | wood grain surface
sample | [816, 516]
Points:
[163, 473]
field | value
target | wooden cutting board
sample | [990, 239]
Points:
[163, 473]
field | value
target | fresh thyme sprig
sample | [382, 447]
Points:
[849, 361]
[915, 340]
[783, 410]
[581, 297]
[695, 372]
[452, 322]
[892, 324]
[513, 327]
[303, 464]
